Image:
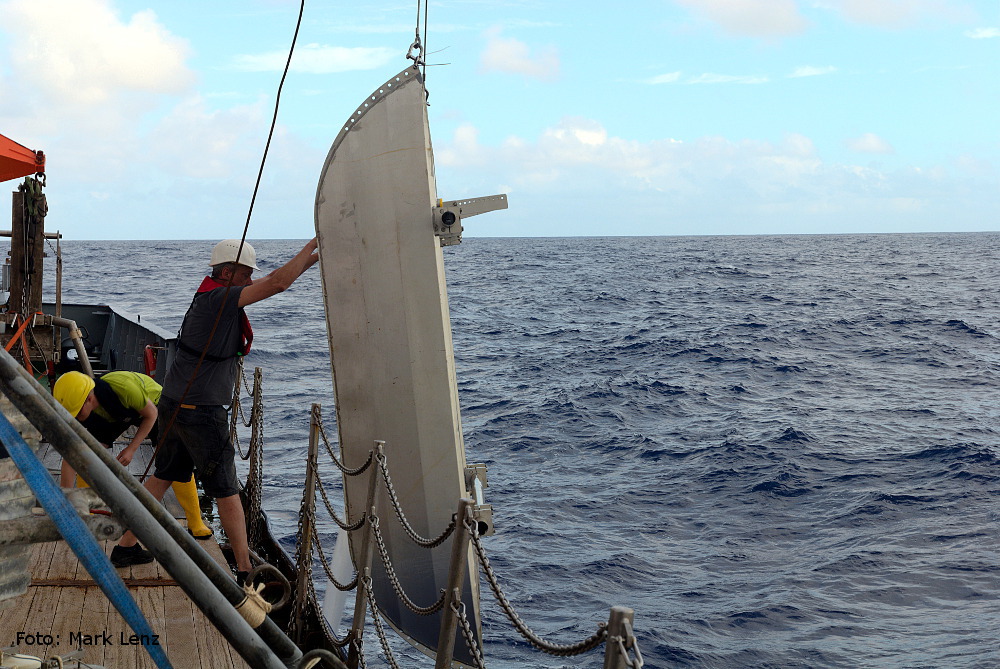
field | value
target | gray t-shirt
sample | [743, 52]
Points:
[216, 378]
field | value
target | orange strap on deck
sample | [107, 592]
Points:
[22, 337]
[18, 334]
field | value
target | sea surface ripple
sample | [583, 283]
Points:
[781, 451]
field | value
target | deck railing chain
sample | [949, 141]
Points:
[329, 574]
[338, 642]
[378, 623]
[396, 585]
[340, 465]
[303, 566]
[342, 524]
[470, 639]
[360, 645]
[541, 644]
[255, 453]
[256, 420]
[417, 539]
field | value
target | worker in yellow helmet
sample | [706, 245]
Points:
[110, 405]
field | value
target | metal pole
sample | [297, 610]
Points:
[619, 638]
[59, 268]
[304, 557]
[157, 529]
[456, 578]
[364, 563]
[77, 336]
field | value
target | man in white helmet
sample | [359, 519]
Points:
[198, 393]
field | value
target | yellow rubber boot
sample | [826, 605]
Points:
[187, 495]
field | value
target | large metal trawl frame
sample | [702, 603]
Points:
[391, 346]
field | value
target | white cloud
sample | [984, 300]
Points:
[869, 143]
[506, 54]
[317, 59]
[782, 18]
[216, 142]
[983, 33]
[668, 78]
[710, 78]
[752, 18]
[899, 13]
[710, 185]
[810, 71]
[80, 52]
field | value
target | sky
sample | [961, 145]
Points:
[644, 117]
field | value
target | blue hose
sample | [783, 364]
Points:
[73, 529]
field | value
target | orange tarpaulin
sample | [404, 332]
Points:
[17, 161]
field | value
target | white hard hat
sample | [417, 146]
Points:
[226, 250]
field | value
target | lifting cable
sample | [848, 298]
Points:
[239, 251]
[418, 50]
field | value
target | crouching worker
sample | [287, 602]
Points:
[107, 407]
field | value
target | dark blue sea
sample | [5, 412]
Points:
[780, 451]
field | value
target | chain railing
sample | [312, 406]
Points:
[621, 647]
[417, 539]
[238, 415]
[561, 650]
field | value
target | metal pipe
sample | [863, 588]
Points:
[40, 529]
[453, 593]
[77, 337]
[157, 529]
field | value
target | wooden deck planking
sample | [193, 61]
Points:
[190, 641]
[64, 600]
[96, 609]
[16, 616]
[69, 623]
[179, 629]
[115, 654]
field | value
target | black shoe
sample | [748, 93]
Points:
[125, 557]
[241, 577]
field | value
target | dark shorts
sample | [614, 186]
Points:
[197, 443]
[107, 432]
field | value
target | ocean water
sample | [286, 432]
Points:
[780, 451]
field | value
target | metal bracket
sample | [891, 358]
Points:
[475, 482]
[448, 215]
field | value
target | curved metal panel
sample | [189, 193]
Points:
[390, 343]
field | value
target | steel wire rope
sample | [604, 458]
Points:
[423, 52]
[560, 650]
[239, 251]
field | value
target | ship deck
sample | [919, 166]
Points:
[64, 609]
[64, 606]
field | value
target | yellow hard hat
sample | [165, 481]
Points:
[71, 391]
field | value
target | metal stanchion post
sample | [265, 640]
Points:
[364, 563]
[456, 578]
[619, 638]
